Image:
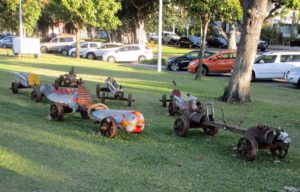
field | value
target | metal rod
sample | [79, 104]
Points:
[159, 36]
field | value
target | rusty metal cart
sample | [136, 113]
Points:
[68, 80]
[253, 138]
[68, 100]
[113, 88]
[178, 101]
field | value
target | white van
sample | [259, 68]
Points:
[274, 65]
[57, 43]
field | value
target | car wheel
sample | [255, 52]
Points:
[253, 76]
[142, 58]
[111, 59]
[91, 56]
[204, 70]
[263, 49]
[4, 46]
[175, 66]
[162, 41]
[44, 49]
[64, 52]
[73, 54]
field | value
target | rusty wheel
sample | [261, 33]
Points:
[57, 112]
[181, 126]
[108, 127]
[279, 152]
[129, 99]
[119, 95]
[67, 82]
[172, 108]
[164, 100]
[36, 95]
[210, 130]
[102, 96]
[247, 148]
[14, 87]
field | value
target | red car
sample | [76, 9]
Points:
[220, 62]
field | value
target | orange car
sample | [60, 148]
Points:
[220, 62]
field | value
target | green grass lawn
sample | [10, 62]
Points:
[41, 155]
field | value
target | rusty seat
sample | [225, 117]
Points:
[84, 97]
[176, 92]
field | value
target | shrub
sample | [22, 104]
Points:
[154, 61]
[271, 34]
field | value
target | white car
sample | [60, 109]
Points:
[169, 37]
[293, 76]
[274, 65]
[83, 47]
[128, 53]
[57, 43]
[93, 53]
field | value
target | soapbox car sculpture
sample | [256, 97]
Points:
[253, 138]
[68, 80]
[111, 86]
[24, 81]
[178, 101]
[69, 100]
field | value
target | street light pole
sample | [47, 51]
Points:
[159, 36]
[20, 19]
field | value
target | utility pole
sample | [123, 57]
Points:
[159, 36]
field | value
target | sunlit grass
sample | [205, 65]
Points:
[41, 155]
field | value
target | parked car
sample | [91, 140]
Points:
[169, 37]
[296, 42]
[293, 76]
[262, 45]
[83, 47]
[220, 62]
[219, 42]
[57, 43]
[275, 65]
[6, 42]
[128, 53]
[190, 41]
[65, 50]
[152, 37]
[93, 53]
[181, 62]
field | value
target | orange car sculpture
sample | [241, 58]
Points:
[220, 62]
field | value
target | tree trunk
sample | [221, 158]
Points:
[204, 26]
[141, 37]
[254, 13]
[77, 44]
[232, 37]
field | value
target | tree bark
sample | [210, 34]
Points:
[232, 37]
[254, 13]
[203, 31]
[77, 44]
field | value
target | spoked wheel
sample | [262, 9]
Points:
[129, 100]
[279, 152]
[57, 112]
[36, 95]
[14, 87]
[98, 90]
[210, 130]
[84, 114]
[119, 95]
[67, 82]
[172, 108]
[108, 127]
[247, 148]
[164, 100]
[181, 126]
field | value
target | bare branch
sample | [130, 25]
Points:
[139, 7]
[271, 13]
